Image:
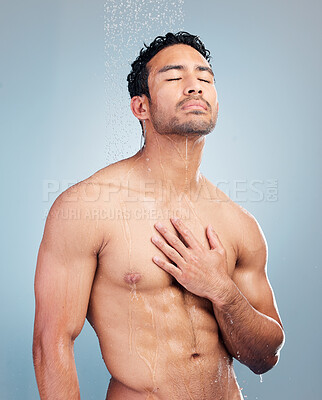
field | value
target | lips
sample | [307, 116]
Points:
[195, 104]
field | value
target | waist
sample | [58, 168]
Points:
[181, 387]
[161, 370]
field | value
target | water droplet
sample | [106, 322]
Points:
[128, 24]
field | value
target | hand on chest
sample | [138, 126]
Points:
[127, 259]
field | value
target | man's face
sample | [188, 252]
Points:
[183, 95]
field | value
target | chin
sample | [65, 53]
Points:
[190, 126]
[195, 128]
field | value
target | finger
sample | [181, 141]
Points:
[172, 239]
[167, 250]
[213, 238]
[187, 235]
[168, 267]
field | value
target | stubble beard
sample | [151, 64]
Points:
[196, 126]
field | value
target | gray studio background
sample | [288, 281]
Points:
[64, 114]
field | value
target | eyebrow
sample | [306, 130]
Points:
[182, 68]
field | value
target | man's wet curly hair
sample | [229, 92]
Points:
[138, 77]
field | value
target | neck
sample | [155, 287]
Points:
[173, 160]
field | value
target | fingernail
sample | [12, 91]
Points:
[158, 225]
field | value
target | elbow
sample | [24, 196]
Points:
[37, 349]
[36, 355]
[268, 362]
[49, 346]
[265, 365]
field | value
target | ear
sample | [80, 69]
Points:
[139, 107]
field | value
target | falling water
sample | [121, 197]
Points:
[128, 24]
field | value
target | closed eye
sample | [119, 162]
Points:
[177, 79]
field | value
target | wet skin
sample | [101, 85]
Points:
[161, 337]
[157, 338]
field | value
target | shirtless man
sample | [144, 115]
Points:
[168, 270]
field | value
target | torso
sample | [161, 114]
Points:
[158, 340]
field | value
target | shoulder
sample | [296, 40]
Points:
[248, 235]
[252, 244]
[81, 210]
[90, 192]
[67, 224]
[76, 214]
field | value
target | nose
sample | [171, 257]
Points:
[193, 86]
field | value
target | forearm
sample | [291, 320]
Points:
[250, 336]
[56, 371]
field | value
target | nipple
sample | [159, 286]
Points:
[132, 278]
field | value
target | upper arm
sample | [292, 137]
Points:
[65, 271]
[250, 273]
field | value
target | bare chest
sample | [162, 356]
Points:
[126, 260]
